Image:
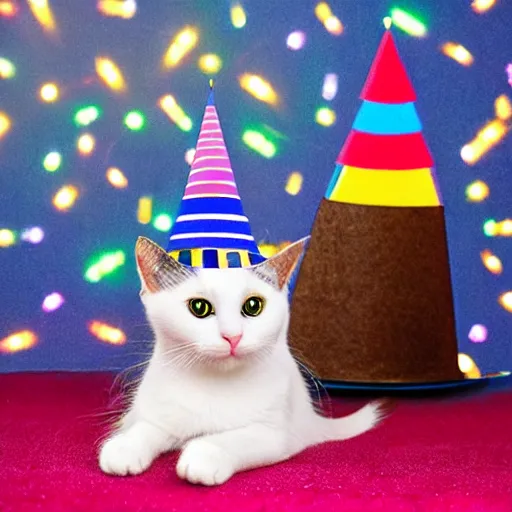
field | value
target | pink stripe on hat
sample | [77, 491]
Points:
[211, 188]
[212, 176]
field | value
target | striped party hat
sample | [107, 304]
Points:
[385, 160]
[211, 228]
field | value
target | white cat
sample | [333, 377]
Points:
[221, 384]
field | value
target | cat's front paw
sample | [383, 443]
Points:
[202, 462]
[121, 456]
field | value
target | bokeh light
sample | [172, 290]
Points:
[458, 53]
[124, 9]
[181, 45]
[134, 120]
[144, 211]
[162, 222]
[505, 301]
[491, 262]
[17, 342]
[330, 86]
[189, 155]
[481, 6]
[8, 9]
[238, 17]
[210, 63]
[85, 144]
[490, 227]
[503, 107]
[52, 161]
[52, 302]
[103, 265]
[294, 183]
[7, 69]
[296, 40]
[477, 191]
[33, 235]
[110, 74]
[65, 198]
[5, 124]
[49, 92]
[478, 333]
[325, 116]
[7, 237]
[87, 115]
[409, 23]
[468, 367]
[107, 333]
[43, 14]
[489, 136]
[259, 143]
[116, 177]
[259, 88]
[175, 113]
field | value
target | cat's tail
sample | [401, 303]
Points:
[355, 424]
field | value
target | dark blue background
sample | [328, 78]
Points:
[453, 103]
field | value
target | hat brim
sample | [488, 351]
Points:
[411, 386]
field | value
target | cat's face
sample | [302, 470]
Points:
[216, 317]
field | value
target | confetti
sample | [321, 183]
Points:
[296, 40]
[7, 69]
[52, 302]
[210, 63]
[181, 45]
[294, 183]
[325, 116]
[52, 161]
[144, 211]
[5, 124]
[508, 70]
[134, 120]
[408, 23]
[238, 16]
[104, 265]
[259, 88]
[481, 6]
[116, 178]
[7, 238]
[458, 53]
[488, 137]
[124, 9]
[87, 115]
[468, 367]
[189, 155]
[330, 86]
[477, 191]
[8, 9]
[505, 301]
[65, 198]
[85, 144]
[325, 15]
[259, 143]
[34, 235]
[162, 222]
[110, 74]
[478, 333]
[107, 333]
[43, 14]
[491, 262]
[503, 107]
[49, 92]
[22, 340]
[175, 113]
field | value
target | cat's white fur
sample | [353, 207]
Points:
[226, 413]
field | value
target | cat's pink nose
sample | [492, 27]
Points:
[233, 340]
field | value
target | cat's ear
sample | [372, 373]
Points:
[157, 270]
[279, 268]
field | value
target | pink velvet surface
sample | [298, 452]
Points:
[430, 455]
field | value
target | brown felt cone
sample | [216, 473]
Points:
[373, 300]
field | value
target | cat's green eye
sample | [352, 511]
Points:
[200, 308]
[253, 306]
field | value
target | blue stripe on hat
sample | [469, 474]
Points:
[212, 226]
[334, 180]
[387, 119]
[212, 243]
[211, 205]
